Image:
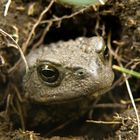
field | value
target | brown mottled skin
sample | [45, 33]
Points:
[80, 75]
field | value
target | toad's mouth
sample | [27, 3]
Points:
[101, 92]
[57, 99]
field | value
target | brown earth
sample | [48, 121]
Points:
[118, 20]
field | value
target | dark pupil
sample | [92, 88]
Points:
[49, 73]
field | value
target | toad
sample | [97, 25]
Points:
[64, 78]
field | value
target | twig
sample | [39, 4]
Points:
[126, 102]
[57, 19]
[7, 7]
[31, 136]
[102, 122]
[102, 2]
[7, 103]
[36, 24]
[110, 105]
[127, 85]
[60, 127]
[43, 35]
[124, 70]
[133, 103]
[18, 47]
[20, 113]
[111, 51]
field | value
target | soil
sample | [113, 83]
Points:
[32, 23]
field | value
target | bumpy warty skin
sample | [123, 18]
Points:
[70, 57]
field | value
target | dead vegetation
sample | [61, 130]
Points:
[30, 24]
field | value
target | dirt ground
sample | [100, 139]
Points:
[32, 23]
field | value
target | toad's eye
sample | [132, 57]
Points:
[48, 73]
[99, 45]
